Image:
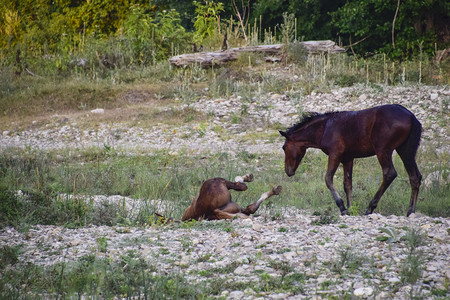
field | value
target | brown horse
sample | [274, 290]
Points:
[214, 200]
[346, 135]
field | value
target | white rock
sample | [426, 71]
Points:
[240, 270]
[98, 111]
[257, 227]
[363, 292]
[434, 96]
[275, 97]
[436, 177]
[362, 97]
[394, 279]
[236, 295]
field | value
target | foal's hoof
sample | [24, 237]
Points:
[277, 190]
[248, 177]
[245, 178]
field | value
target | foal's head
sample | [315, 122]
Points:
[298, 139]
[293, 153]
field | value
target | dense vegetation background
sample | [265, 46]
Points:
[70, 34]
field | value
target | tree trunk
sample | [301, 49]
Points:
[221, 57]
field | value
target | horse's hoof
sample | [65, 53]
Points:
[344, 213]
[248, 177]
[277, 190]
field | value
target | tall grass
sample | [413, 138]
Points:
[176, 179]
[89, 277]
[26, 95]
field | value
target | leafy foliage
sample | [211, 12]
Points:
[9, 207]
[65, 37]
[418, 22]
[207, 21]
[153, 38]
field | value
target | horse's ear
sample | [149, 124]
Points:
[283, 133]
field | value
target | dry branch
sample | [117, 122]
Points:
[221, 57]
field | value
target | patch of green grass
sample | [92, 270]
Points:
[324, 217]
[348, 260]
[413, 264]
[37, 96]
[9, 206]
[9, 255]
[289, 281]
[102, 243]
[44, 175]
[130, 276]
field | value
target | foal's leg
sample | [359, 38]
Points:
[389, 174]
[415, 178]
[348, 170]
[239, 184]
[252, 208]
[333, 164]
[232, 209]
[229, 211]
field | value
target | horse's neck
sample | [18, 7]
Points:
[312, 133]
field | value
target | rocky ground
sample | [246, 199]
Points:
[350, 256]
[257, 116]
[358, 256]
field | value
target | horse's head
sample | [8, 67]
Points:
[293, 154]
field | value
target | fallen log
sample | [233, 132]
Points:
[221, 57]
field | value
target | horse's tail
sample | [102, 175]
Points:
[410, 146]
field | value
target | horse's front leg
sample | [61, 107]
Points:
[333, 164]
[348, 170]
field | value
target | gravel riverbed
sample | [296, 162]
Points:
[346, 257]
[429, 104]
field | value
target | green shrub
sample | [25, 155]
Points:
[9, 255]
[296, 53]
[10, 208]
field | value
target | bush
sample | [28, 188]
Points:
[296, 53]
[10, 208]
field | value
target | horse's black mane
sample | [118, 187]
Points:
[307, 118]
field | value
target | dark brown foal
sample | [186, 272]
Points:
[214, 200]
[347, 135]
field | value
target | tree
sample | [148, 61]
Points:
[207, 20]
[313, 16]
[416, 22]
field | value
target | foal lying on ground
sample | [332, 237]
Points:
[214, 200]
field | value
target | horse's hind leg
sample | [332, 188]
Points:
[415, 177]
[252, 208]
[389, 174]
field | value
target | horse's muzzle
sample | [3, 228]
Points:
[290, 173]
